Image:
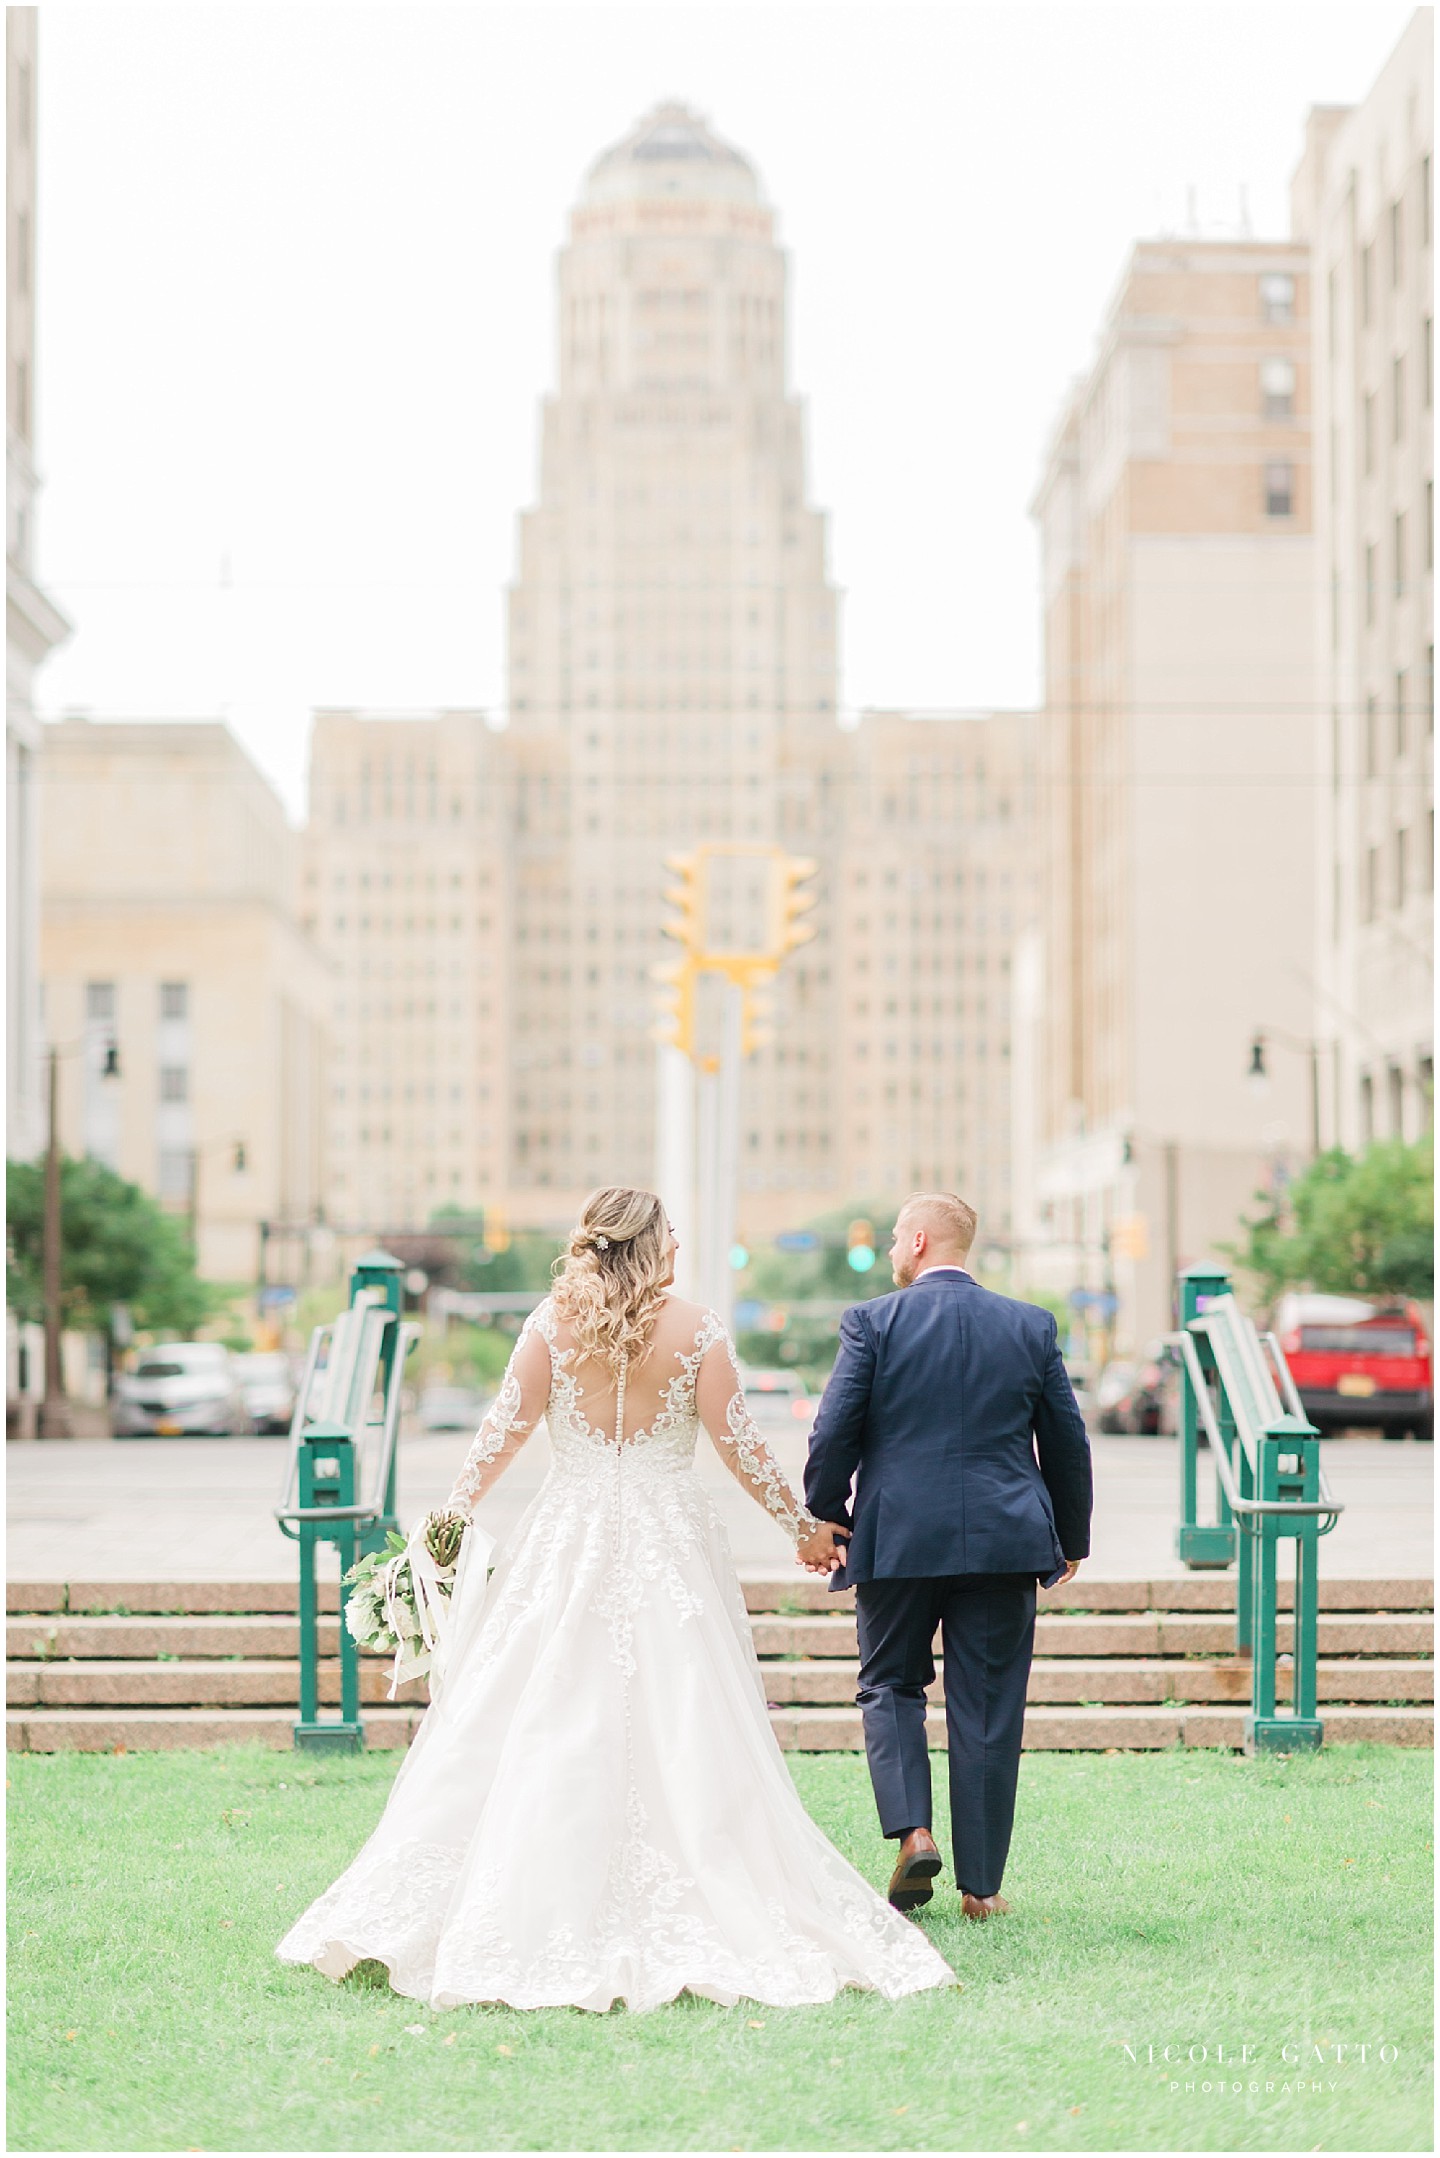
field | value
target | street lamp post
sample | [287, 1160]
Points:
[55, 1419]
[54, 1414]
[1259, 1077]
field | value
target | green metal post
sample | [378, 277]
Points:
[1244, 1542]
[326, 1477]
[1289, 1469]
[1199, 1543]
[383, 1271]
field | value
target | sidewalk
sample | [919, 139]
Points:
[200, 1509]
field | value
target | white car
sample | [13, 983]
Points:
[180, 1389]
[268, 1384]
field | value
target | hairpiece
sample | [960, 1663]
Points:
[602, 1243]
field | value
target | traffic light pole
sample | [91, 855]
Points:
[727, 1147]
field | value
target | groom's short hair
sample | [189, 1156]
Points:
[953, 1222]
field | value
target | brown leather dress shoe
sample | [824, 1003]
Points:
[981, 1906]
[915, 1869]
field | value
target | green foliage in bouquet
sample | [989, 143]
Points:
[382, 1609]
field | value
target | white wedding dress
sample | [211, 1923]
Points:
[595, 1808]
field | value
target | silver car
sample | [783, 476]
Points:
[180, 1389]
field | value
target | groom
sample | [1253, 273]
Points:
[934, 1399]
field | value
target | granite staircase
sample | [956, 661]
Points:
[136, 1666]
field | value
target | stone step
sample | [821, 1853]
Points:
[791, 1593]
[43, 1637]
[832, 1681]
[164, 1730]
[1124, 1633]
[1114, 1726]
[799, 1730]
[828, 1682]
[192, 1683]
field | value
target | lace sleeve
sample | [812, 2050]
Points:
[512, 1416]
[720, 1400]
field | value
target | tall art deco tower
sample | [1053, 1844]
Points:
[672, 656]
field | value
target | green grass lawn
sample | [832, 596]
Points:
[1181, 1899]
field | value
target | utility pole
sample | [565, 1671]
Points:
[54, 1414]
[740, 911]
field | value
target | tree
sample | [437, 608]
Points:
[1351, 1225]
[117, 1247]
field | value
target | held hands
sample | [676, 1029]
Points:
[821, 1552]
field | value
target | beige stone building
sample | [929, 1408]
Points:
[1362, 198]
[408, 875]
[33, 624]
[672, 680]
[1177, 775]
[171, 934]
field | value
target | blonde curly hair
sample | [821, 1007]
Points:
[611, 1281]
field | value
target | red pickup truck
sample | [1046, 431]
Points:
[1358, 1364]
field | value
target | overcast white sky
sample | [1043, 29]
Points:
[296, 307]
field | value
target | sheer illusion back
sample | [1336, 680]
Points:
[653, 1407]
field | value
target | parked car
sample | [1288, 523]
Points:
[451, 1408]
[1137, 1396]
[777, 1397]
[268, 1384]
[180, 1389]
[1359, 1363]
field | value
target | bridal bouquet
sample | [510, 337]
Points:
[400, 1597]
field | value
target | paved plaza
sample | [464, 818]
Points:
[201, 1509]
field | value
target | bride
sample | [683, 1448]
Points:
[595, 1807]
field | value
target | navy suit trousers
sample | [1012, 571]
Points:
[987, 1632]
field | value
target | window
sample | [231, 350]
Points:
[1372, 739]
[1395, 1088]
[1277, 296]
[1429, 524]
[175, 1177]
[1370, 587]
[1372, 884]
[100, 1002]
[1399, 544]
[1367, 1108]
[1367, 283]
[174, 1083]
[1277, 389]
[1397, 399]
[1279, 488]
[1402, 866]
[1424, 202]
[1427, 358]
[174, 1000]
[1397, 242]
[1400, 704]
[1367, 411]
[1332, 312]
[1425, 1086]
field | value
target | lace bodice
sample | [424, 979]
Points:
[705, 1387]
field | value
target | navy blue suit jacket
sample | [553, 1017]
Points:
[934, 1399]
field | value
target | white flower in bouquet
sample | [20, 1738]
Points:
[399, 1596]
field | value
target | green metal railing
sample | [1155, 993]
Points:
[340, 1472]
[1236, 1388]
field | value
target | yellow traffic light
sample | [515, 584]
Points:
[676, 1024]
[795, 903]
[497, 1229]
[686, 896]
[1130, 1238]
